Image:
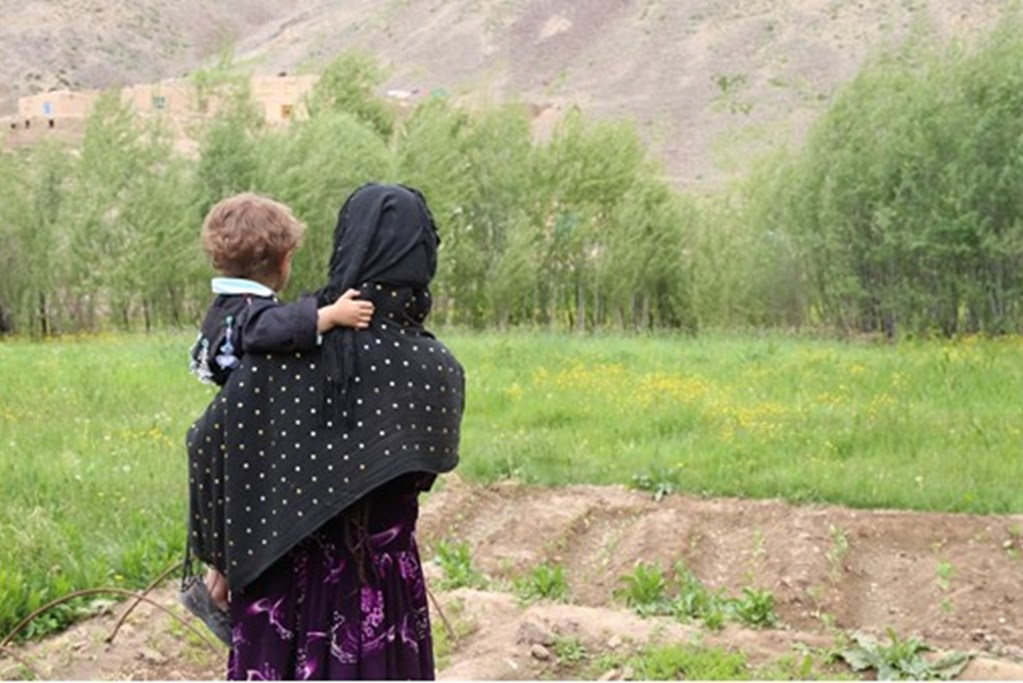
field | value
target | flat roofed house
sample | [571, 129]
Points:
[282, 98]
[172, 97]
[56, 105]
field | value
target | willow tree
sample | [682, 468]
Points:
[590, 175]
[746, 265]
[126, 195]
[348, 84]
[166, 262]
[228, 142]
[17, 260]
[474, 167]
[36, 252]
[429, 155]
[576, 232]
[312, 166]
[906, 203]
[646, 274]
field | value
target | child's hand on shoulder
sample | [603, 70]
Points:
[350, 311]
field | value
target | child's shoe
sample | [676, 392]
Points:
[197, 599]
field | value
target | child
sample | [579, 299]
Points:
[250, 240]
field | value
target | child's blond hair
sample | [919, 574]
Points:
[247, 236]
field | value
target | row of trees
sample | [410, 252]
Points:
[901, 213]
[575, 232]
[905, 207]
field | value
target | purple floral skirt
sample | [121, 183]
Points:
[347, 603]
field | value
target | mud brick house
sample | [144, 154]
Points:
[281, 99]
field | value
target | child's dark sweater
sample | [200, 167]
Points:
[246, 317]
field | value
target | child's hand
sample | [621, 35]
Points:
[349, 311]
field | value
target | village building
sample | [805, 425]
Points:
[175, 98]
[281, 99]
[50, 107]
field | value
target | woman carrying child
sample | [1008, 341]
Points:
[307, 467]
[250, 240]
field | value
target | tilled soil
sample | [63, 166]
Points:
[950, 580]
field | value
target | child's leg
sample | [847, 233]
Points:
[216, 584]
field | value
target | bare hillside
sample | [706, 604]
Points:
[85, 44]
[707, 82]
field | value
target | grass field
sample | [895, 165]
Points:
[930, 426]
[93, 464]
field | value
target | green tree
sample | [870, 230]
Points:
[645, 275]
[166, 268]
[312, 167]
[228, 147]
[116, 156]
[348, 84]
[904, 204]
[429, 156]
[583, 173]
[745, 261]
[34, 194]
[493, 190]
[15, 259]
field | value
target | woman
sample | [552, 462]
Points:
[307, 468]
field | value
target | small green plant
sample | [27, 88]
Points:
[944, 572]
[689, 662]
[790, 668]
[659, 481]
[569, 651]
[805, 664]
[1012, 544]
[644, 590]
[696, 601]
[755, 608]
[58, 618]
[545, 582]
[838, 550]
[816, 595]
[456, 562]
[601, 665]
[901, 658]
[828, 620]
[449, 631]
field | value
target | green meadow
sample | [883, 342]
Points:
[93, 462]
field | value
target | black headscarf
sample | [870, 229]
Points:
[293, 440]
[384, 233]
[385, 236]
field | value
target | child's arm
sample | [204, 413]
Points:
[347, 311]
[268, 326]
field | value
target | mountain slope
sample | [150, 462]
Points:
[82, 44]
[706, 81]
